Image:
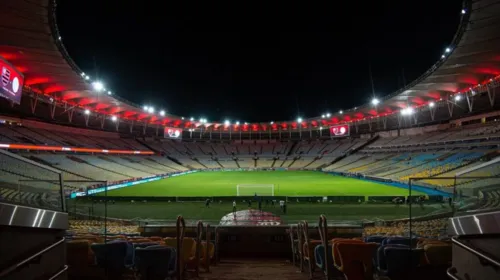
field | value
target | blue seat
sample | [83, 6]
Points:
[319, 256]
[400, 240]
[156, 262]
[401, 262]
[375, 239]
[379, 259]
[111, 255]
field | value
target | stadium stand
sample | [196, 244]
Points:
[454, 148]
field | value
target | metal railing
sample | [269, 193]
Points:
[15, 267]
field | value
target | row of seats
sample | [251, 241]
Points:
[39, 136]
[455, 134]
[396, 257]
[435, 228]
[141, 257]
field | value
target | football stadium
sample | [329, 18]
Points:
[94, 186]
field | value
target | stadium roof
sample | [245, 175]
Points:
[31, 42]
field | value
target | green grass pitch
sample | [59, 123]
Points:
[286, 183]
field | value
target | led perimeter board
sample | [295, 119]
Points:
[11, 82]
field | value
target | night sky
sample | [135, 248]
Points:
[255, 61]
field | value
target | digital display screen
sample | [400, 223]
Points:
[339, 130]
[172, 133]
[12, 81]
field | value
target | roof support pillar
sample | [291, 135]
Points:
[279, 132]
[491, 94]
[370, 125]
[270, 130]
[415, 117]
[240, 133]
[384, 122]
[117, 124]
[86, 117]
[70, 114]
[450, 105]
[201, 131]
[144, 127]
[470, 100]
[400, 120]
[157, 129]
[356, 125]
[230, 133]
[34, 102]
[52, 108]
[432, 111]
[131, 127]
[103, 119]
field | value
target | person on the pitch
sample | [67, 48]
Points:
[207, 203]
[234, 206]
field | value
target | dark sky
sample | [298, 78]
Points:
[255, 61]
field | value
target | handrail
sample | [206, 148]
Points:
[180, 226]
[475, 252]
[216, 254]
[451, 272]
[323, 231]
[199, 233]
[26, 261]
[307, 244]
[207, 248]
[59, 273]
[290, 231]
[300, 245]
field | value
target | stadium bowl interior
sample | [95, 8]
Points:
[98, 196]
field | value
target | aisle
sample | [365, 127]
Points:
[256, 269]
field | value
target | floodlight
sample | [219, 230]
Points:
[375, 101]
[271, 122]
[328, 115]
[109, 92]
[182, 118]
[237, 123]
[341, 112]
[458, 97]
[432, 104]
[464, 11]
[299, 120]
[162, 113]
[87, 77]
[83, 74]
[447, 50]
[145, 108]
[114, 118]
[226, 122]
[151, 110]
[87, 112]
[98, 86]
[191, 119]
[323, 116]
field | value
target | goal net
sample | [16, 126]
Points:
[252, 189]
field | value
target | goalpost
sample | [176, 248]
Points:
[252, 189]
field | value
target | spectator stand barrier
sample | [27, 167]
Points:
[468, 194]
